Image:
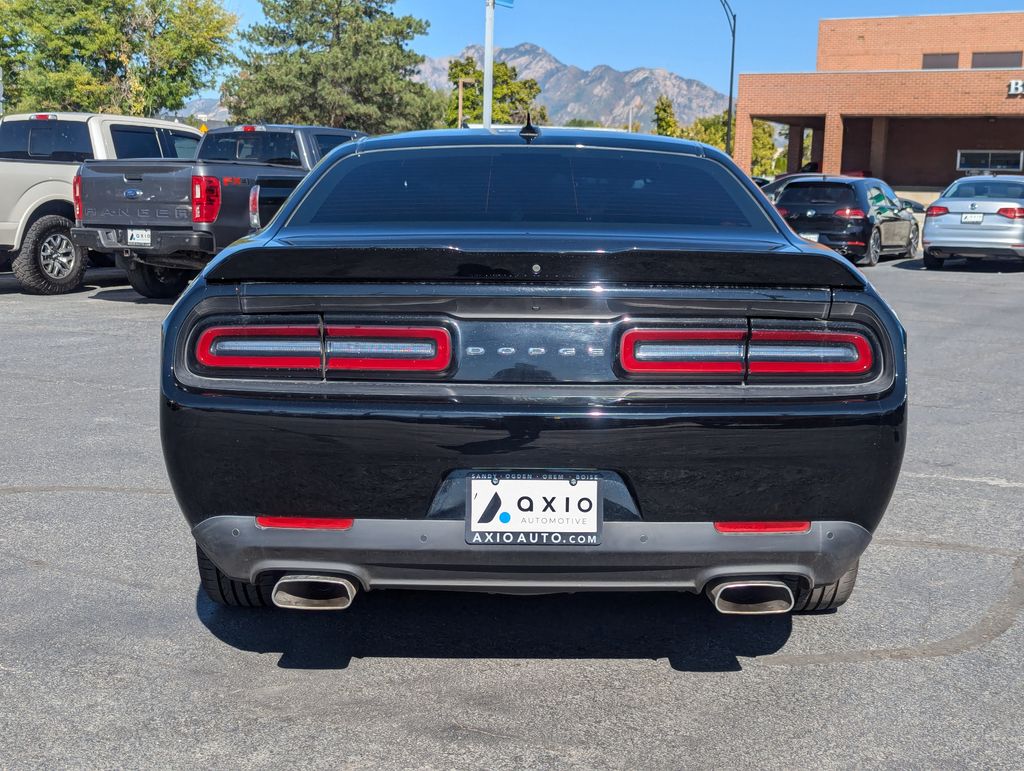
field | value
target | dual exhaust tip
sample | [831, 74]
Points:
[748, 597]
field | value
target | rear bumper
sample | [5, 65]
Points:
[974, 244]
[164, 242]
[634, 556]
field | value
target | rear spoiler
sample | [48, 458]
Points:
[304, 264]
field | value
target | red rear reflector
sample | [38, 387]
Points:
[855, 243]
[306, 523]
[689, 351]
[1012, 213]
[784, 352]
[260, 347]
[850, 214]
[388, 349]
[935, 211]
[205, 199]
[759, 526]
[76, 196]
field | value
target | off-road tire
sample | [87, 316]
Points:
[931, 262]
[157, 283]
[828, 596]
[28, 267]
[227, 591]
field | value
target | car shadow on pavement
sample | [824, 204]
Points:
[129, 295]
[958, 265]
[684, 629]
[95, 278]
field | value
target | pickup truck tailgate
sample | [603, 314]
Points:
[137, 193]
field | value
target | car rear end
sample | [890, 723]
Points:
[829, 212]
[455, 362]
[977, 217]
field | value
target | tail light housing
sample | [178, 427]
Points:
[205, 199]
[388, 349]
[260, 347]
[254, 207]
[848, 213]
[794, 352]
[691, 351]
[936, 211]
[1012, 212]
[76, 196]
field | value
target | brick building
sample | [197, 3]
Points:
[918, 100]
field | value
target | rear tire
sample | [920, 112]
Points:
[912, 241]
[828, 596]
[157, 283]
[874, 251]
[931, 262]
[48, 261]
[229, 592]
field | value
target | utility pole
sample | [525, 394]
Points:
[488, 63]
[731, 18]
[462, 82]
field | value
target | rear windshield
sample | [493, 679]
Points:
[989, 188]
[818, 194]
[278, 147]
[522, 187]
[45, 140]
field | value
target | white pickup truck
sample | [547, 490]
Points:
[39, 158]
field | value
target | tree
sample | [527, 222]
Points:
[137, 57]
[512, 100]
[665, 122]
[333, 62]
[583, 123]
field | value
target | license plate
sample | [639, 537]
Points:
[517, 508]
[972, 219]
[811, 236]
[139, 237]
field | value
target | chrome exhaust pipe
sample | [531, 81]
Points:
[313, 592]
[751, 597]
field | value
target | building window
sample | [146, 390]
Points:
[997, 60]
[940, 61]
[989, 160]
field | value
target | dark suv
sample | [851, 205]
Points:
[861, 218]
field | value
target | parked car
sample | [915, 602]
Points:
[39, 157]
[980, 216]
[163, 221]
[547, 361]
[861, 218]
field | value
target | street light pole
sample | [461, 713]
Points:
[488, 63]
[730, 15]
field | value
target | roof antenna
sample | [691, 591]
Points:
[529, 132]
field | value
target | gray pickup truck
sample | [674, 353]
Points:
[163, 220]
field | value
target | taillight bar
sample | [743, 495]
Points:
[260, 347]
[848, 213]
[388, 349]
[795, 352]
[764, 526]
[76, 196]
[1012, 212]
[205, 198]
[305, 523]
[936, 211]
[683, 351]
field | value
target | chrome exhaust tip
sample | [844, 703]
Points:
[752, 597]
[313, 592]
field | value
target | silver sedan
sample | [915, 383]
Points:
[979, 216]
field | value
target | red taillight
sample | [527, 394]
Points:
[683, 351]
[847, 213]
[759, 526]
[260, 347]
[254, 207]
[306, 523]
[1012, 212]
[795, 352]
[935, 211]
[782, 210]
[76, 196]
[248, 128]
[205, 199]
[44, 116]
[388, 349]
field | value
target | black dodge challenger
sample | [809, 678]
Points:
[531, 361]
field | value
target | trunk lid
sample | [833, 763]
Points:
[137, 193]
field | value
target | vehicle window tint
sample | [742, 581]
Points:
[327, 142]
[818, 194]
[531, 186]
[180, 145]
[1000, 189]
[258, 146]
[135, 142]
[45, 140]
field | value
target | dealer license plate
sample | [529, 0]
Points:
[533, 509]
[972, 219]
[811, 236]
[139, 237]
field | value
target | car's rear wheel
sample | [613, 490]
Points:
[49, 262]
[157, 283]
[828, 596]
[931, 262]
[912, 241]
[874, 250]
[227, 591]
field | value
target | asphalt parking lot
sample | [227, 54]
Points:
[110, 657]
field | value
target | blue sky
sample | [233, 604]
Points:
[689, 37]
